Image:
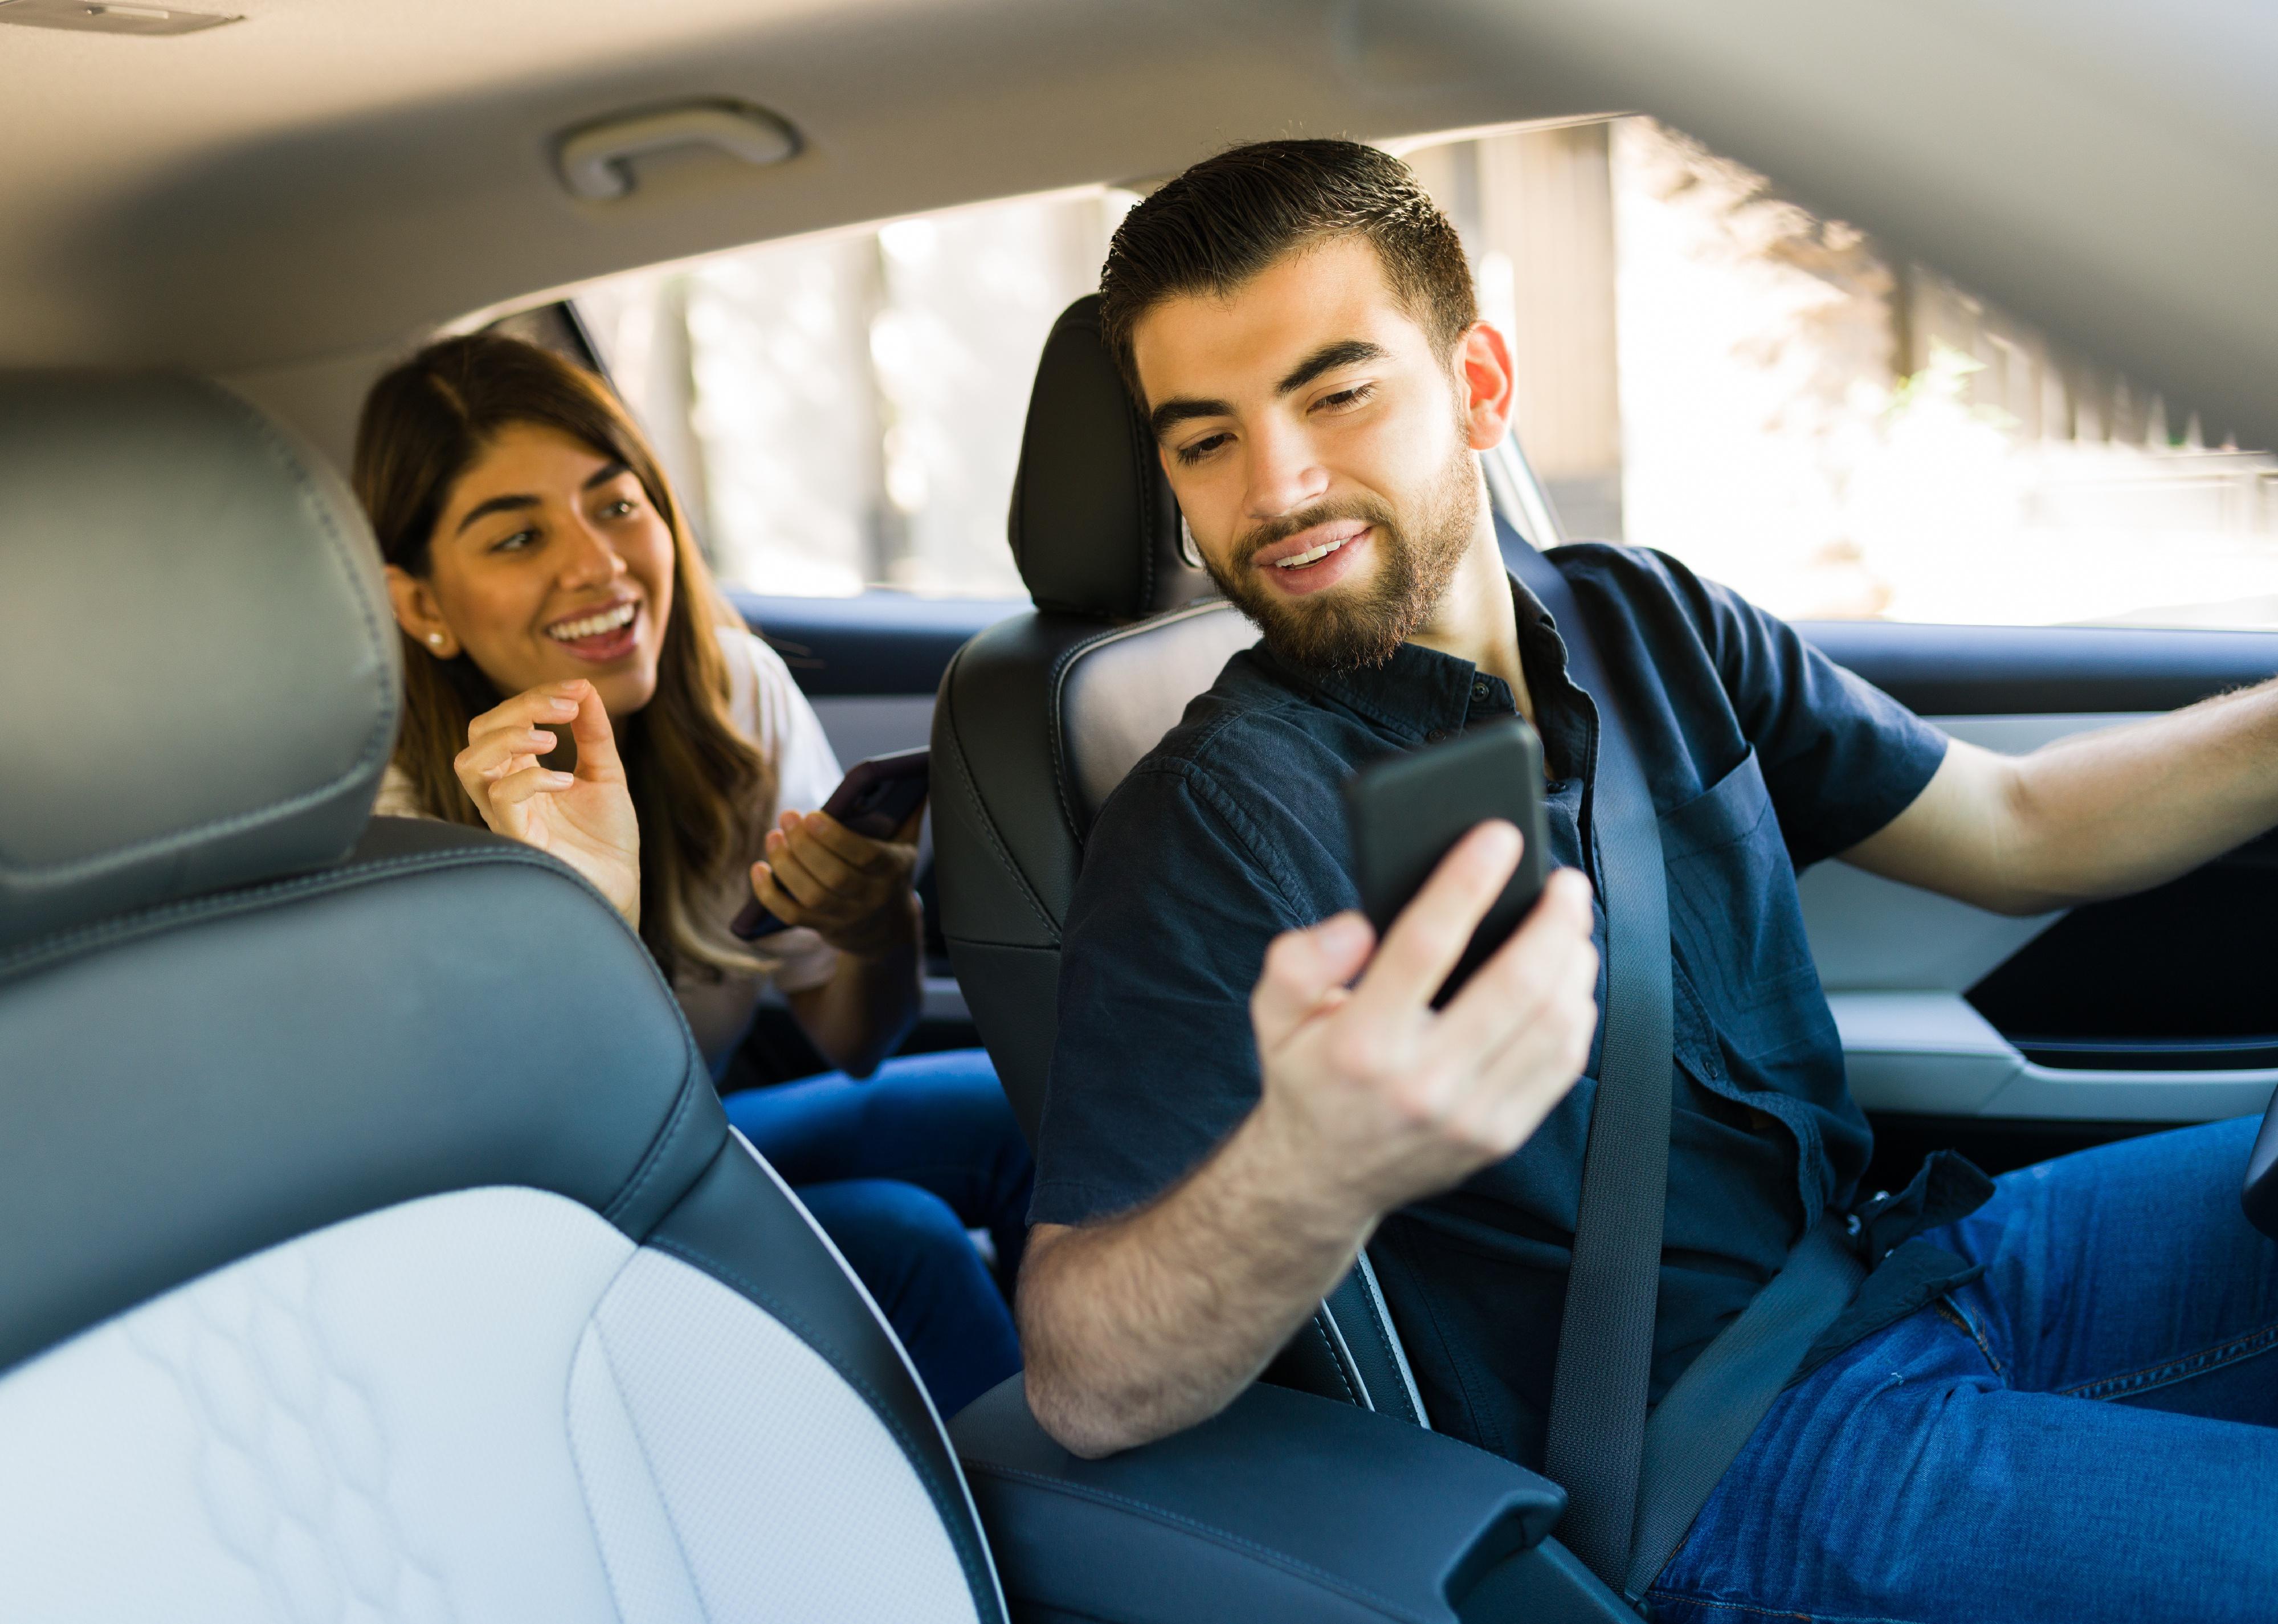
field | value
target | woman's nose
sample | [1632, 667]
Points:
[593, 562]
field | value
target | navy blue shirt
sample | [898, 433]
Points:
[1762, 757]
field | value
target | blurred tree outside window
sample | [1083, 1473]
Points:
[1703, 367]
[844, 411]
[1709, 370]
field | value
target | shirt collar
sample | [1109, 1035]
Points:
[1421, 694]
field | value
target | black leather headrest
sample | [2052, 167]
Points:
[197, 666]
[1094, 528]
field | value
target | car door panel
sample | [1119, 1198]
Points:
[2021, 1037]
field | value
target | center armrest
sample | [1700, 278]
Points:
[1283, 1506]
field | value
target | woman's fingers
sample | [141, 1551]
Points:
[597, 741]
[856, 852]
[801, 844]
[509, 812]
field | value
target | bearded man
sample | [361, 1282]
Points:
[1246, 1087]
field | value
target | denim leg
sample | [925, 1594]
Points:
[912, 1253]
[2129, 1273]
[939, 1122]
[1959, 1464]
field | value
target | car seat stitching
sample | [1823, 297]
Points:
[980, 811]
[956, 1515]
[577, 1462]
[648, 1460]
[1335, 1364]
[1222, 1536]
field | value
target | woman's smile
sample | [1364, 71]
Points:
[603, 634]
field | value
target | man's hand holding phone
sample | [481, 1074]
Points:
[1368, 1086]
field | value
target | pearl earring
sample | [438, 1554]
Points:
[435, 638]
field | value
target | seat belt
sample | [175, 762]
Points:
[1595, 1447]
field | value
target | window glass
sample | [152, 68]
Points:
[844, 411]
[1834, 430]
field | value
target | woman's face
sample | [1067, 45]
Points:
[549, 561]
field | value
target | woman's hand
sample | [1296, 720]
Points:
[585, 817]
[854, 893]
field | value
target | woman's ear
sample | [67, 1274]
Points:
[418, 614]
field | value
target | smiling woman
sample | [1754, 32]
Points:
[553, 605]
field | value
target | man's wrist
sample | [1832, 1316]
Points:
[1282, 1171]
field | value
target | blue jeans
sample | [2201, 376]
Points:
[2089, 1432]
[896, 1169]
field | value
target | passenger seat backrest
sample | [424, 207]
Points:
[377, 1246]
[1041, 715]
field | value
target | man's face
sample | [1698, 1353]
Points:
[1320, 446]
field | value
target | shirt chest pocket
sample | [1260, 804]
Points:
[1735, 919]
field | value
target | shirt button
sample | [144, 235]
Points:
[1435, 735]
[1478, 690]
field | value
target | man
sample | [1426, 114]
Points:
[1297, 321]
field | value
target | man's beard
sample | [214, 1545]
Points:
[1359, 629]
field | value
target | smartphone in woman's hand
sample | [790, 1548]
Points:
[874, 799]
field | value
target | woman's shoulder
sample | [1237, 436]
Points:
[398, 797]
[760, 685]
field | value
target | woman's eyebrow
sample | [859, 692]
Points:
[496, 504]
[508, 504]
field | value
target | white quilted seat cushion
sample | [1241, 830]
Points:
[483, 1406]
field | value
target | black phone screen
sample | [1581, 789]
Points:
[1406, 813]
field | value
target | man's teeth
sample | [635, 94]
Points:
[593, 625]
[1314, 556]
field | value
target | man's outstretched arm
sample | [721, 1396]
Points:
[2097, 816]
[1136, 1327]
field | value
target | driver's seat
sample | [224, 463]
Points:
[1040, 717]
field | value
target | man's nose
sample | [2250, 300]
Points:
[1284, 473]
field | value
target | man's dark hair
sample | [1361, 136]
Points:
[1229, 217]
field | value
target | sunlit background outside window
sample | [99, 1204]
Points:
[1704, 368]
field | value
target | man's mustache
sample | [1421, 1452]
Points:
[1252, 543]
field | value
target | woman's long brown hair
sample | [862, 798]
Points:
[700, 788]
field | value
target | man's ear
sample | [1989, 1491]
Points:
[418, 614]
[1488, 385]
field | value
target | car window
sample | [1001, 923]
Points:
[844, 411]
[1797, 409]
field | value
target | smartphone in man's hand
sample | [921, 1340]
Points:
[1406, 812]
[874, 799]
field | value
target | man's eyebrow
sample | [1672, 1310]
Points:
[1170, 413]
[1328, 357]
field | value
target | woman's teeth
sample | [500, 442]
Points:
[592, 625]
[1313, 555]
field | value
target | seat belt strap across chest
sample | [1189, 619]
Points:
[1595, 1442]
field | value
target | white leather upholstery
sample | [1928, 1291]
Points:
[488, 1404]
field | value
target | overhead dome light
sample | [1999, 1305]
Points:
[596, 159]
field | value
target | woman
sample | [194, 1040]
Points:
[571, 682]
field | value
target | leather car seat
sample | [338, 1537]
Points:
[377, 1244]
[1042, 716]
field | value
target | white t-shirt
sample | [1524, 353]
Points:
[766, 705]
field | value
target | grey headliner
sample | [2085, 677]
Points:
[328, 178]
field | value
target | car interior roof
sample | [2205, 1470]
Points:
[327, 178]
